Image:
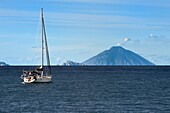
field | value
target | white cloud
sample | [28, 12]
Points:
[59, 61]
[159, 59]
[82, 20]
[18, 13]
[127, 2]
[29, 60]
[154, 36]
[125, 40]
[98, 21]
[13, 16]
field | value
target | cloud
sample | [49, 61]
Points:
[88, 1]
[17, 16]
[29, 60]
[159, 40]
[127, 2]
[18, 13]
[80, 20]
[103, 21]
[156, 36]
[159, 59]
[59, 61]
[125, 40]
[152, 36]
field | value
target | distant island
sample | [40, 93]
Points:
[3, 64]
[115, 56]
[71, 63]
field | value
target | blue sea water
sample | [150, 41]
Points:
[88, 90]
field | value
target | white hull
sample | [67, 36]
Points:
[43, 79]
[28, 80]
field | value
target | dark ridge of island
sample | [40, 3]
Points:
[3, 64]
[117, 56]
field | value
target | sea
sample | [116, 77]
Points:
[88, 89]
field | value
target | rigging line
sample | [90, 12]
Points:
[35, 49]
[37, 45]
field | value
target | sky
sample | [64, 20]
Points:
[80, 29]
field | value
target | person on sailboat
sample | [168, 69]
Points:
[39, 69]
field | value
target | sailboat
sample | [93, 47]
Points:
[42, 73]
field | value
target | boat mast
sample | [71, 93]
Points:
[47, 52]
[42, 41]
[46, 46]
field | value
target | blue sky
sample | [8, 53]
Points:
[80, 29]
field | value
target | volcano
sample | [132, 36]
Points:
[117, 55]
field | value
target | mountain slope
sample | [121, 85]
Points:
[117, 56]
[3, 64]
